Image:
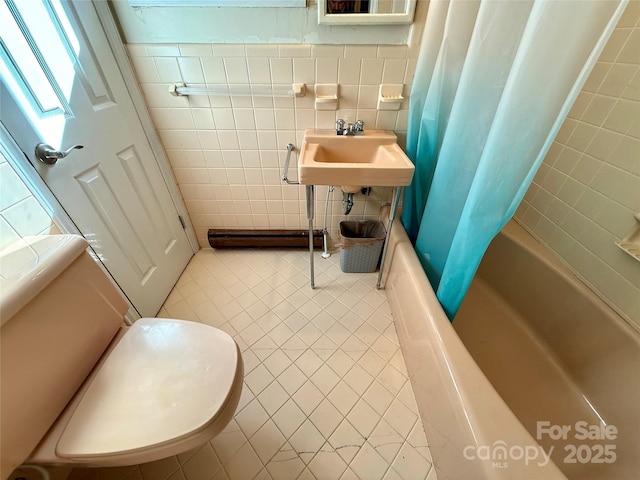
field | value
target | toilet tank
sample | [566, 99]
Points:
[58, 313]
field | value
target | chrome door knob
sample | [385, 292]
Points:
[48, 155]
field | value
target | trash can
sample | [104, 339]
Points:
[360, 245]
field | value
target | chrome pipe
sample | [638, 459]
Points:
[347, 202]
[392, 216]
[325, 232]
[310, 214]
[325, 253]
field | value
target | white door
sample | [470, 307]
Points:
[61, 86]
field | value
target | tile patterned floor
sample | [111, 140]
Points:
[326, 391]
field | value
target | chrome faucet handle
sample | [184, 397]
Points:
[340, 127]
[359, 127]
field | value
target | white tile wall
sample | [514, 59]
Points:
[227, 153]
[588, 188]
[20, 212]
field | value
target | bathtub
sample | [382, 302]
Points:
[535, 379]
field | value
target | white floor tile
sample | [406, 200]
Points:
[358, 379]
[343, 397]
[292, 379]
[228, 442]
[308, 397]
[263, 475]
[289, 418]
[432, 474]
[326, 418]
[392, 475]
[267, 442]
[203, 465]
[272, 398]
[307, 441]
[251, 418]
[277, 363]
[369, 464]
[392, 379]
[372, 362]
[116, 473]
[309, 362]
[286, 464]
[378, 397]
[327, 465]
[294, 348]
[340, 362]
[179, 475]
[363, 417]
[338, 334]
[244, 465]
[309, 334]
[401, 418]
[160, 470]
[264, 348]
[346, 440]
[386, 440]
[306, 475]
[325, 379]
[349, 475]
[259, 379]
[410, 464]
[407, 398]
[280, 334]
[387, 349]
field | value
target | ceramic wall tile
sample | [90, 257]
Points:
[586, 192]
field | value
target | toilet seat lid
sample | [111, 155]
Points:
[164, 380]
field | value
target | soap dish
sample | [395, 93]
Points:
[326, 96]
[390, 97]
[631, 243]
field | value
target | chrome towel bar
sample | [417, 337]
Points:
[296, 89]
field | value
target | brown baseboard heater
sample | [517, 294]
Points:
[229, 238]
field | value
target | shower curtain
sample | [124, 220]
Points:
[494, 81]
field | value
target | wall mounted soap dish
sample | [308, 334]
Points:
[631, 243]
[326, 96]
[390, 97]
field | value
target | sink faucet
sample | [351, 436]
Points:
[351, 129]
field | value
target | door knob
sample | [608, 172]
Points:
[48, 155]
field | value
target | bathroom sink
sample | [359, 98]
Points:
[372, 159]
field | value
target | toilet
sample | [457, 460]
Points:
[81, 388]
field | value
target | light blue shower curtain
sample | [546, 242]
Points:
[494, 82]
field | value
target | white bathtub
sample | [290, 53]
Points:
[537, 346]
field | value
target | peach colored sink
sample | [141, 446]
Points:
[372, 159]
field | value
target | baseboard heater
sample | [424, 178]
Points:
[228, 238]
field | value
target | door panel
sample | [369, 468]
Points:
[112, 188]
